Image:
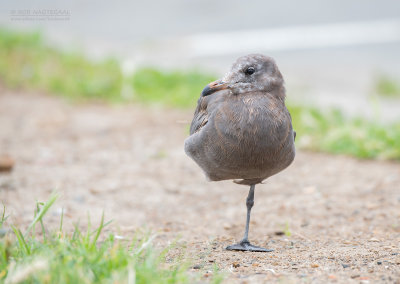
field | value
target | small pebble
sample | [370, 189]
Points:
[345, 265]
[6, 163]
[236, 264]
[379, 262]
[374, 240]
[227, 226]
[197, 266]
[302, 275]
[305, 224]
[314, 265]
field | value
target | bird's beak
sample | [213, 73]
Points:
[214, 87]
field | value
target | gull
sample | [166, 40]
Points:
[242, 130]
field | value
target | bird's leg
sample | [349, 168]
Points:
[244, 244]
[249, 205]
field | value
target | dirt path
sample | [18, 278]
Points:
[343, 214]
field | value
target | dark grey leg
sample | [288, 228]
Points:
[244, 244]
[249, 205]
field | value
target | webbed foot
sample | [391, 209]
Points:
[246, 246]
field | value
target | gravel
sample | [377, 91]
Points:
[328, 218]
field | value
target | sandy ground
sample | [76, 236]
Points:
[343, 214]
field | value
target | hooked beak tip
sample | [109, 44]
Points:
[214, 87]
[206, 91]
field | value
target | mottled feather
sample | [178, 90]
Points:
[241, 128]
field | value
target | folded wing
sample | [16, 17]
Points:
[200, 118]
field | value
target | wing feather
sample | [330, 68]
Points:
[200, 118]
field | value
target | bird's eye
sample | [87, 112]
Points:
[249, 71]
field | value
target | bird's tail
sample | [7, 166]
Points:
[248, 181]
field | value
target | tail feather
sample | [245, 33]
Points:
[248, 181]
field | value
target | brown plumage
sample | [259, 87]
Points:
[241, 128]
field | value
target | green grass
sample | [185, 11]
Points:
[27, 62]
[286, 229]
[176, 88]
[80, 257]
[387, 87]
[332, 132]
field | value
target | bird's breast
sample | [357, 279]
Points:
[244, 138]
[249, 120]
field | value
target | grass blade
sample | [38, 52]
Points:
[98, 231]
[145, 245]
[40, 221]
[3, 216]
[21, 240]
[43, 211]
[62, 219]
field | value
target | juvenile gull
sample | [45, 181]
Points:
[242, 130]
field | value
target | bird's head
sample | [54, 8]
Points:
[250, 73]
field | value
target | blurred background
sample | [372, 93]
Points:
[335, 53]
